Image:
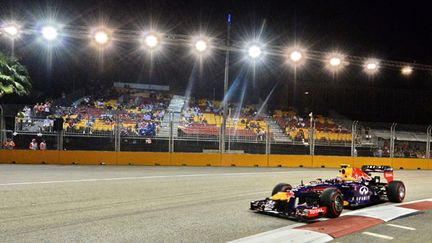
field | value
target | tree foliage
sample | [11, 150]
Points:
[14, 78]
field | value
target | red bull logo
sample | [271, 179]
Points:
[354, 174]
[357, 174]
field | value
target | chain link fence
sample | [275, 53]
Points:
[368, 140]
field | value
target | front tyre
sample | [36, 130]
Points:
[396, 191]
[281, 187]
[333, 200]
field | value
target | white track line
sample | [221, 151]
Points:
[401, 226]
[415, 201]
[378, 235]
[286, 234]
[145, 177]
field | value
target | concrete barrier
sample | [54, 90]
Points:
[331, 161]
[195, 159]
[29, 156]
[143, 158]
[290, 160]
[87, 158]
[201, 159]
[411, 164]
[258, 160]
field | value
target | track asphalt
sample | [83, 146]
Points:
[52, 203]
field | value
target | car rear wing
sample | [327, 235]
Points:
[376, 168]
[387, 170]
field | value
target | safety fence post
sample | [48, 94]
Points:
[392, 139]
[428, 141]
[353, 138]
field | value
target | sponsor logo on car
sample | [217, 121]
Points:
[316, 211]
[388, 176]
[363, 198]
[363, 190]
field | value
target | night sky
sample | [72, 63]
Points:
[382, 29]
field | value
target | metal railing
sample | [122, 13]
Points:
[121, 139]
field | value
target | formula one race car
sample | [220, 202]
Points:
[353, 187]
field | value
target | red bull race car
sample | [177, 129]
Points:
[353, 187]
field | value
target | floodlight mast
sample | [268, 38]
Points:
[226, 77]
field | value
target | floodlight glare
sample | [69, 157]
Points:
[201, 45]
[407, 70]
[254, 51]
[296, 56]
[101, 37]
[335, 61]
[371, 66]
[11, 30]
[151, 41]
[49, 33]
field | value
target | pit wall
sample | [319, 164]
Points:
[200, 159]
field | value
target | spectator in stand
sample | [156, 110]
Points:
[260, 134]
[42, 145]
[33, 145]
[9, 144]
[379, 152]
[35, 108]
[27, 113]
[47, 125]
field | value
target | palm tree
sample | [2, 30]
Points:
[14, 78]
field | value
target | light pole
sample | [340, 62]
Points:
[226, 80]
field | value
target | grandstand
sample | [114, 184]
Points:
[177, 123]
[326, 129]
[138, 113]
[205, 118]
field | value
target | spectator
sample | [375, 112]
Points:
[33, 145]
[9, 144]
[42, 145]
[379, 152]
[47, 125]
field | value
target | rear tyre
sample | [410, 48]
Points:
[281, 187]
[333, 200]
[396, 191]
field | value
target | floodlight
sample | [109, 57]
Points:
[151, 41]
[296, 56]
[201, 45]
[49, 33]
[407, 70]
[335, 61]
[371, 66]
[11, 30]
[101, 37]
[254, 51]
